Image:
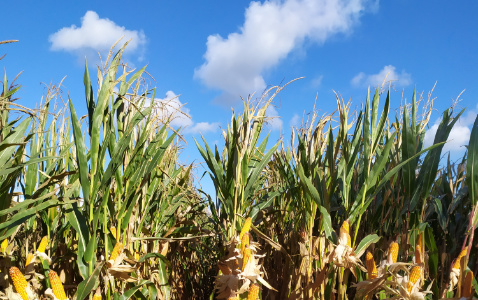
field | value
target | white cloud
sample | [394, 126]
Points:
[274, 121]
[388, 72]
[95, 34]
[272, 30]
[294, 121]
[171, 107]
[459, 134]
[316, 82]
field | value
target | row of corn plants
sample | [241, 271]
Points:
[352, 207]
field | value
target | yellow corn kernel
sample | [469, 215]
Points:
[420, 240]
[116, 251]
[458, 259]
[345, 226]
[415, 274]
[244, 242]
[29, 259]
[393, 252]
[253, 292]
[19, 282]
[4, 246]
[56, 285]
[345, 232]
[43, 244]
[246, 227]
[246, 257]
[467, 285]
[418, 254]
[113, 231]
[371, 267]
[232, 298]
[97, 296]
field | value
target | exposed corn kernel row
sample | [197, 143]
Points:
[56, 285]
[43, 244]
[244, 242]
[246, 257]
[116, 251]
[246, 227]
[458, 259]
[371, 267]
[19, 282]
[4, 246]
[393, 252]
[29, 259]
[253, 292]
[467, 285]
[415, 274]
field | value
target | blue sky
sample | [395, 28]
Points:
[212, 52]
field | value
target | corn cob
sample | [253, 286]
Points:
[19, 282]
[393, 252]
[43, 244]
[116, 251]
[29, 259]
[371, 267]
[415, 274]
[420, 240]
[458, 259]
[345, 230]
[97, 296]
[467, 284]
[113, 231]
[253, 292]
[232, 298]
[246, 257]
[4, 246]
[244, 242]
[418, 254]
[56, 285]
[246, 227]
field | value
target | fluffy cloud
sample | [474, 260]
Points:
[459, 135]
[271, 30]
[95, 34]
[274, 121]
[374, 80]
[170, 107]
[295, 121]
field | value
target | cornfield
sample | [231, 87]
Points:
[354, 207]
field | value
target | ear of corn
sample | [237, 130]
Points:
[116, 251]
[467, 285]
[458, 259]
[19, 282]
[97, 296]
[56, 285]
[113, 231]
[43, 244]
[29, 259]
[246, 257]
[393, 252]
[246, 227]
[371, 267]
[253, 292]
[4, 246]
[244, 242]
[418, 254]
[345, 231]
[415, 274]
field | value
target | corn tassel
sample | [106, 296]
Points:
[467, 285]
[458, 259]
[246, 257]
[56, 285]
[393, 252]
[415, 274]
[19, 282]
[253, 292]
[371, 267]
[4, 246]
[116, 251]
[43, 244]
[245, 228]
